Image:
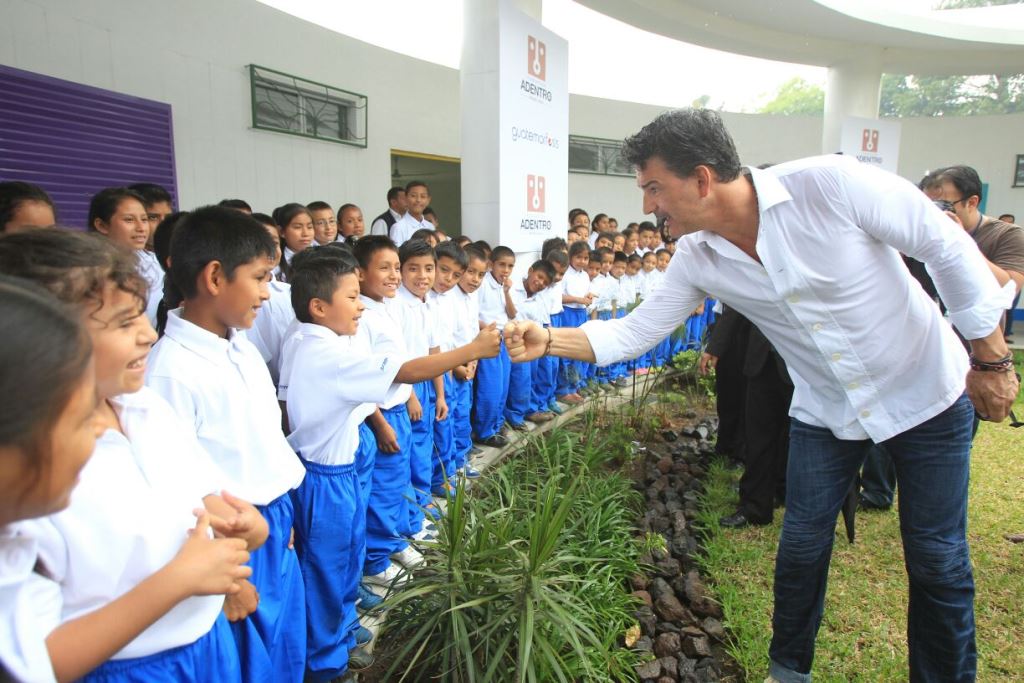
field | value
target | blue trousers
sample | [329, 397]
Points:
[330, 533]
[520, 392]
[462, 429]
[421, 457]
[387, 515]
[272, 640]
[491, 393]
[212, 659]
[571, 372]
[607, 373]
[933, 465]
[443, 464]
[542, 384]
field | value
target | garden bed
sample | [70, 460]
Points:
[575, 559]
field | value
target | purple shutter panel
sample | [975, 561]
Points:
[73, 140]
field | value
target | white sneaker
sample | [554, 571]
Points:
[408, 557]
[424, 535]
[392, 576]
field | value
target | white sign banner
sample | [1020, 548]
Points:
[533, 121]
[871, 141]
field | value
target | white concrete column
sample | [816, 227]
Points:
[478, 79]
[853, 88]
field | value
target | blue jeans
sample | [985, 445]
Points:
[932, 465]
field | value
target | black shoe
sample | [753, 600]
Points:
[359, 659]
[738, 520]
[521, 427]
[867, 506]
[475, 450]
[494, 441]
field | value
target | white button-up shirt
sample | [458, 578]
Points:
[575, 283]
[491, 300]
[467, 310]
[554, 297]
[149, 268]
[272, 321]
[336, 382]
[868, 351]
[380, 227]
[418, 323]
[530, 306]
[442, 308]
[404, 227]
[382, 330]
[128, 517]
[29, 608]
[222, 388]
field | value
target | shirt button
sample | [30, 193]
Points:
[816, 327]
[793, 299]
[865, 413]
[836, 356]
[852, 385]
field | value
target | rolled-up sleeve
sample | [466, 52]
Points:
[662, 311]
[897, 213]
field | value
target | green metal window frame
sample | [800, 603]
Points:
[603, 145]
[305, 88]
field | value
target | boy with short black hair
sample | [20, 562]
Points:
[576, 297]
[529, 303]
[325, 225]
[217, 381]
[451, 263]
[467, 309]
[648, 235]
[491, 387]
[417, 198]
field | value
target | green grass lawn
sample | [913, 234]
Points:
[863, 635]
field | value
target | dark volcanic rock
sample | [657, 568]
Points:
[713, 627]
[670, 435]
[668, 645]
[649, 669]
[669, 668]
[665, 465]
[644, 596]
[669, 608]
[697, 647]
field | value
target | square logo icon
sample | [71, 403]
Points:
[869, 140]
[536, 58]
[535, 195]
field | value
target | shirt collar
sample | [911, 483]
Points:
[372, 304]
[198, 340]
[318, 331]
[407, 297]
[491, 282]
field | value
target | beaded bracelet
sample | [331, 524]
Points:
[1002, 365]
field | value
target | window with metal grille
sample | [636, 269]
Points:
[293, 105]
[597, 155]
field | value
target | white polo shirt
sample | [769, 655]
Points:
[626, 294]
[223, 389]
[442, 308]
[128, 517]
[530, 306]
[29, 608]
[606, 287]
[336, 383]
[379, 227]
[491, 301]
[272, 321]
[575, 283]
[467, 311]
[405, 226]
[868, 351]
[419, 324]
[288, 344]
[554, 297]
[381, 328]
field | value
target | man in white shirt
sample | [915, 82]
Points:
[807, 250]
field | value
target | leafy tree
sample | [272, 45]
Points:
[796, 96]
[951, 95]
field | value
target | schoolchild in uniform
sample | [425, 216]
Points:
[491, 387]
[217, 382]
[119, 213]
[135, 589]
[428, 403]
[575, 299]
[625, 296]
[529, 303]
[387, 516]
[545, 379]
[295, 225]
[606, 289]
[325, 225]
[46, 438]
[451, 263]
[417, 198]
[276, 314]
[350, 223]
[468, 316]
